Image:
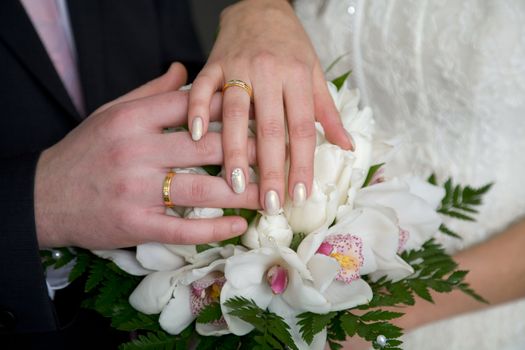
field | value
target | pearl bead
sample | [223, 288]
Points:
[351, 10]
[57, 254]
[381, 340]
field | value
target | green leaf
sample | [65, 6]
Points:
[151, 341]
[128, 319]
[66, 256]
[334, 346]
[421, 290]
[210, 313]
[81, 265]
[203, 247]
[349, 323]
[444, 229]
[213, 170]
[311, 324]
[296, 240]
[248, 214]
[233, 240]
[96, 274]
[457, 277]
[432, 179]
[371, 172]
[334, 63]
[459, 202]
[380, 315]
[271, 330]
[456, 214]
[464, 287]
[340, 80]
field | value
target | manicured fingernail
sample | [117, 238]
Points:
[351, 140]
[238, 180]
[299, 195]
[238, 227]
[196, 129]
[272, 203]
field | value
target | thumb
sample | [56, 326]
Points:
[172, 80]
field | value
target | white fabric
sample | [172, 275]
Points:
[448, 76]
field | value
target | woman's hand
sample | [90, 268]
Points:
[262, 43]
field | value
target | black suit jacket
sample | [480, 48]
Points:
[121, 44]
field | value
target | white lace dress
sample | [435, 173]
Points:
[448, 76]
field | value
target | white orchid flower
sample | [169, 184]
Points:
[179, 296]
[362, 243]
[414, 202]
[265, 274]
[268, 230]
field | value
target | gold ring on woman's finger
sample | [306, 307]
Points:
[238, 83]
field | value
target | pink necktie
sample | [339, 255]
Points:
[49, 23]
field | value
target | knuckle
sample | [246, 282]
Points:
[121, 115]
[265, 60]
[235, 111]
[304, 130]
[273, 175]
[175, 234]
[235, 154]
[119, 155]
[272, 129]
[203, 79]
[299, 69]
[301, 172]
[198, 191]
[203, 148]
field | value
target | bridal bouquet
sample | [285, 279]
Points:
[310, 275]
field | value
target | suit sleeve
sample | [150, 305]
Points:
[24, 303]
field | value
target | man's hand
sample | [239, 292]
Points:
[101, 186]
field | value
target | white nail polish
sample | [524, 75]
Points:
[299, 195]
[272, 203]
[238, 180]
[196, 129]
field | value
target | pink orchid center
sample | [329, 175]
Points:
[378, 177]
[347, 250]
[205, 291]
[277, 277]
[325, 248]
[404, 235]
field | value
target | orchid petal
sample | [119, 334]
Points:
[125, 260]
[302, 295]
[323, 269]
[250, 268]
[344, 296]
[156, 256]
[154, 292]
[177, 314]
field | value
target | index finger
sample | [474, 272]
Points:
[172, 80]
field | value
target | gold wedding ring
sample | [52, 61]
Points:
[166, 186]
[238, 83]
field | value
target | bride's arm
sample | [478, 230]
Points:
[497, 273]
